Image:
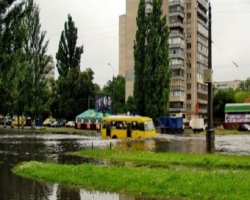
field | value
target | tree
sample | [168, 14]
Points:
[220, 98]
[244, 86]
[130, 105]
[152, 73]
[73, 93]
[68, 55]
[119, 93]
[74, 88]
[12, 35]
[240, 96]
[140, 58]
[37, 61]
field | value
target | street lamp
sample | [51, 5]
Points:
[113, 98]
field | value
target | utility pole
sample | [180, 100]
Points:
[210, 130]
[113, 88]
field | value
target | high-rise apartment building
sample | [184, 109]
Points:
[188, 53]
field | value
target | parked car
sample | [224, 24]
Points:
[70, 124]
[244, 127]
[57, 124]
[49, 121]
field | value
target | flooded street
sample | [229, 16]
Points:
[17, 147]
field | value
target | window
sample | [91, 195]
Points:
[189, 107]
[188, 25]
[188, 15]
[189, 86]
[188, 76]
[189, 55]
[134, 125]
[188, 96]
[189, 65]
[188, 5]
[189, 45]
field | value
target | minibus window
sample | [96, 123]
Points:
[141, 126]
[134, 125]
[104, 124]
[124, 124]
[112, 123]
[119, 125]
[149, 126]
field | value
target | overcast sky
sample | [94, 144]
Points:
[98, 31]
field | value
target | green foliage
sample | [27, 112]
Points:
[12, 35]
[139, 58]
[37, 64]
[241, 95]
[74, 93]
[220, 98]
[74, 90]
[68, 55]
[244, 86]
[130, 105]
[152, 73]
[119, 92]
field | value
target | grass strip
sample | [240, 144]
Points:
[166, 159]
[143, 181]
[190, 182]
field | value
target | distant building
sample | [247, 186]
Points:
[225, 85]
[51, 74]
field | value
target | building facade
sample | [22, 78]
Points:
[225, 85]
[51, 74]
[188, 53]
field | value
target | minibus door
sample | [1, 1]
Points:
[129, 130]
[108, 130]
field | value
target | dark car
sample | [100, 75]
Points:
[244, 127]
[57, 124]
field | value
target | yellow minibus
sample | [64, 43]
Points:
[127, 127]
[22, 120]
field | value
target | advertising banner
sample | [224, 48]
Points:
[234, 118]
[103, 103]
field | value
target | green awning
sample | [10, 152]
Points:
[237, 107]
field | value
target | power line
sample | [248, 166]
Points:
[225, 54]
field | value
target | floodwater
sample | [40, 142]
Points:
[17, 147]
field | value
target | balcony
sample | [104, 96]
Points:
[177, 109]
[200, 91]
[176, 3]
[177, 14]
[201, 60]
[177, 88]
[176, 25]
[202, 30]
[205, 43]
[177, 98]
[203, 3]
[178, 66]
[174, 35]
[201, 101]
[174, 78]
[176, 55]
[177, 45]
[202, 14]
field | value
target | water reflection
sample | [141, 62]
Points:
[165, 144]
